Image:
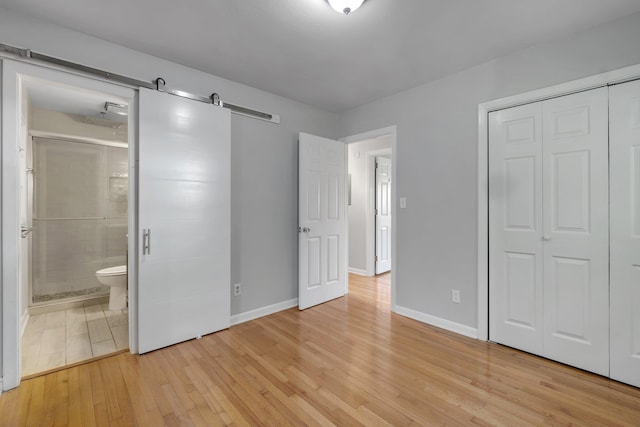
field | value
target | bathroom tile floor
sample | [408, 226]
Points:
[60, 338]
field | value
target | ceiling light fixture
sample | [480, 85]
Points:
[119, 109]
[345, 6]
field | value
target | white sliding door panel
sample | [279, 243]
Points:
[184, 203]
[515, 203]
[383, 214]
[322, 220]
[576, 230]
[624, 114]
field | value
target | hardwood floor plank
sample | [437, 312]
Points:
[346, 362]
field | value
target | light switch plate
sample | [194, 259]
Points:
[403, 202]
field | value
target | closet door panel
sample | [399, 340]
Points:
[576, 230]
[515, 203]
[625, 232]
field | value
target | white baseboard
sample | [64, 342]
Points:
[358, 271]
[458, 328]
[263, 311]
[24, 319]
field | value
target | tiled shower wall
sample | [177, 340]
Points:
[80, 216]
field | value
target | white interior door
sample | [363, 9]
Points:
[184, 219]
[322, 256]
[576, 230]
[515, 203]
[624, 114]
[383, 214]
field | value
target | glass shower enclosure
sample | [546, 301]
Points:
[80, 205]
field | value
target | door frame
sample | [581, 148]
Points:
[593, 82]
[11, 134]
[392, 132]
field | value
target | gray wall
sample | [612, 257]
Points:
[357, 156]
[437, 157]
[264, 156]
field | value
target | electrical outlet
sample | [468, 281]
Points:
[455, 296]
[237, 290]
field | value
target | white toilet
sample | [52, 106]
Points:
[116, 279]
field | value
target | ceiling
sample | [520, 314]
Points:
[303, 50]
[47, 95]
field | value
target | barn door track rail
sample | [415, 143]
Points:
[158, 84]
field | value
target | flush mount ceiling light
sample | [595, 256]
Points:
[345, 6]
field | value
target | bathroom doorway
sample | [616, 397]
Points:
[74, 185]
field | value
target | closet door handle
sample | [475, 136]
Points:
[546, 238]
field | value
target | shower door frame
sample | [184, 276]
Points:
[14, 73]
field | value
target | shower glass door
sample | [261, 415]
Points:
[79, 217]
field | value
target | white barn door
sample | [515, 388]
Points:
[184, 219]
[625, 232]
[322, 220]
[383, 214]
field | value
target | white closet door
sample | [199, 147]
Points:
[383, 215]
[576, 230]
[625, 232]
[184, 201]
[322, 256]
[515, 206]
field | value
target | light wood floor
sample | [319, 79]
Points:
[347, 362]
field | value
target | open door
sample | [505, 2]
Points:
[383, 215]
[322, 230]
[184, 219]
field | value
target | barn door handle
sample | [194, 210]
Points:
[146, 241]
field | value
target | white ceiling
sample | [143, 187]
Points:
[303, 50]
[47, 95]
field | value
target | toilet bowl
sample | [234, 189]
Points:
[116, 279]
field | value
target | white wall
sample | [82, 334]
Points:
[264, 156]
[357, 156]
[437, 157]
